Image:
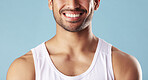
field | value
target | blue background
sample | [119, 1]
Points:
[24, 24]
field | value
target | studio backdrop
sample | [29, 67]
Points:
[24, 24]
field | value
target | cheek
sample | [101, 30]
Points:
[86, 4]
[58, 3]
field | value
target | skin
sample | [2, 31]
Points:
[75, 46]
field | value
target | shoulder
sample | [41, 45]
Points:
[22, 68]
[125, 66]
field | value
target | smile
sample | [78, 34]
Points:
[73, 15]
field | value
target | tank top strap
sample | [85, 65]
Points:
[106, 51]
[38, 58]
[105, 47]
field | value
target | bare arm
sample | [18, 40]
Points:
[21, 69]
[126, 67]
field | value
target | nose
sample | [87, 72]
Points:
[73, 4]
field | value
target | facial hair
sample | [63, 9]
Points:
[85, 23]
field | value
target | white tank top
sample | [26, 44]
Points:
[100, 68]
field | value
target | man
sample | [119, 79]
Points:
[74, 53]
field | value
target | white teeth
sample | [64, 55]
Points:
[72, 15]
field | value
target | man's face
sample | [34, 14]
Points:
[73, 15]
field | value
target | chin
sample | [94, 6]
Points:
[74, 28]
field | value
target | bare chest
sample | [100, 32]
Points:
[71, 67]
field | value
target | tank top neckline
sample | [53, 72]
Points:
[80, 75]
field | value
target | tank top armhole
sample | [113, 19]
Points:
[35, 63]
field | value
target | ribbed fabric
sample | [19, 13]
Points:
[100, 68]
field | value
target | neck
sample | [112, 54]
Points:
[75, 41]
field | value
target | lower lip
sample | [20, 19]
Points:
[72, 18]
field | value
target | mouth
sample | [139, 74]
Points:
[73, 15]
